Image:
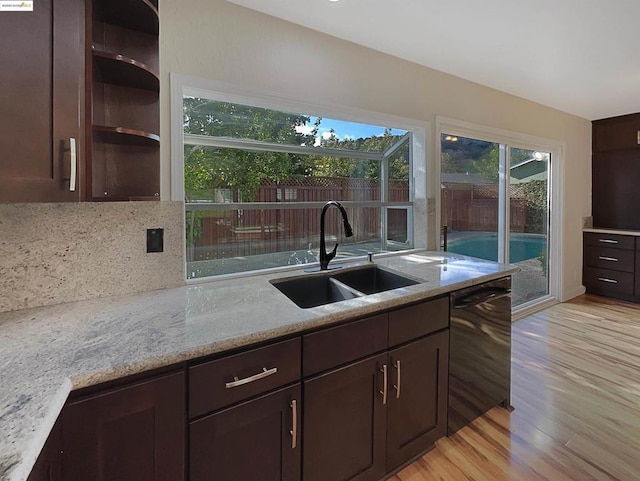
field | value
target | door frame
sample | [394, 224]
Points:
[556, 173]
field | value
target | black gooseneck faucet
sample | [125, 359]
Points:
[325, 257]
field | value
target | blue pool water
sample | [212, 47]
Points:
[486, 247]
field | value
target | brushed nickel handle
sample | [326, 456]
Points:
[638, 137]
[261, 375]
[610, 281]
[608, 241]
[385, 376]
[605, 258]
[397, 385]
[74, 164]
[294, 424]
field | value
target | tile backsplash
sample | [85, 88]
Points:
[55, 253]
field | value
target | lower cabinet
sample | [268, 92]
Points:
[48, 467]
[133, 433]
[417, 406]
[365, 420]
[258, 440]
[353, 402]
[610, 265]
[345, 423]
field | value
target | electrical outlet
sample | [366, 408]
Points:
[155, 240]
[587, 222]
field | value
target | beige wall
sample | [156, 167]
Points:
[220, 41]
[54, 253]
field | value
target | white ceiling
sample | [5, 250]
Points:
[578, 56]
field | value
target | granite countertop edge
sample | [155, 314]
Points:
[604, 230]
[57, 349]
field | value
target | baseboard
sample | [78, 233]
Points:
[529, 308]
[575, 292]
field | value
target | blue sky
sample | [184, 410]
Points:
[349, 130]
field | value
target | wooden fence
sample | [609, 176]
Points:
[223, 234]
[468, 207]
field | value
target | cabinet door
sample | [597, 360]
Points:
[41, 53]
[48, 467]
[616, 133]
[417, 409]
[344, 424]
[615, 193]
[135, 433]
[257, 440]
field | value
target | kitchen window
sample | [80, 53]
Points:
[255, 177]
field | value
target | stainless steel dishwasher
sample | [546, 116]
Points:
[480, 351]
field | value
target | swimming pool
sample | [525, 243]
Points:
[521, 247]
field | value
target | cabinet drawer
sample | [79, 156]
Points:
[607, 258]
[616, 241]
[418, 320]
[225, 381]
[608, 281]
[338, 345]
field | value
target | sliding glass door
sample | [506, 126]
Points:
[495, 206]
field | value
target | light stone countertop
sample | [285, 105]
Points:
[47, 352]
[612, 231]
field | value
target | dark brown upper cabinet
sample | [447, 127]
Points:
[616, 133]
[42, 102]
[616, 172]
[123, 100]
[79, 105]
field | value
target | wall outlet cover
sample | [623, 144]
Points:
[155, 240]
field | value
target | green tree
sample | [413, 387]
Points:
[208, 169]
[488, 163]
[330, 166]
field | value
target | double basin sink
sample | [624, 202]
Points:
[312, 290]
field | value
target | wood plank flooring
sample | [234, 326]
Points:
[576, 393]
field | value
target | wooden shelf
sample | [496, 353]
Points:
[120, 70]
[141, 15]
[124, 136]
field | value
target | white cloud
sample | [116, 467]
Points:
[304, 129]
[327, 135]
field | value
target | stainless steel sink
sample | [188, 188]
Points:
[312, 290]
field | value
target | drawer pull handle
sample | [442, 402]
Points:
[605, 258]
[397, 385]
[638, 137]
[294, 424]
[73, 151]
[261, 375]
[610, 281]
[385, 374]
[608, 241]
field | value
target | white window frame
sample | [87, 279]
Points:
[518, 140]
[182, 85]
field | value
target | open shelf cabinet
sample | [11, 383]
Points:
[123, 145]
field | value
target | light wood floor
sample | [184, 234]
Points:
[576, 393]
